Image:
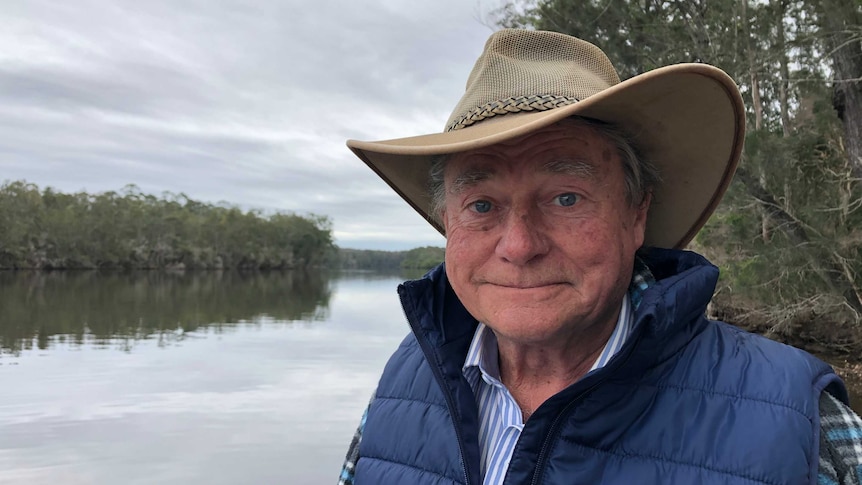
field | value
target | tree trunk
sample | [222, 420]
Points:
[758, 111]
[783, 83]
[752, 69]
[841, 21]
[783, 89]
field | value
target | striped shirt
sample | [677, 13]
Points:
[500, 418]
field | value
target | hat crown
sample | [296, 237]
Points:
[528, 70]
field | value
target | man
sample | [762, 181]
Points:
[564, 340]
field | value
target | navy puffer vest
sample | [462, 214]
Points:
[685, 401]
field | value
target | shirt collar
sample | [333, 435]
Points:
[483, 354]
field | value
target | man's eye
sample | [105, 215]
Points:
[566, 200]
[482, 206]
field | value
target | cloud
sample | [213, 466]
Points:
[244, 102]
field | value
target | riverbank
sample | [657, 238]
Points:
[851, 372]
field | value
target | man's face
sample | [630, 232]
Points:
[540, 236]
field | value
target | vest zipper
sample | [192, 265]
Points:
[438, 374]
[540, 462]
[552, 431]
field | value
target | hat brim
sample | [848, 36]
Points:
[687, 119]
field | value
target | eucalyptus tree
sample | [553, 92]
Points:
[788, 233]
[130, 229]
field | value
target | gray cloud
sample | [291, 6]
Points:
[244, 102]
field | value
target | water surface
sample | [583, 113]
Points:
[205, 378]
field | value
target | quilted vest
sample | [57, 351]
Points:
[686, 400]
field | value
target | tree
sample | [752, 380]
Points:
[51, 230]
[840, 24]
[787, 231]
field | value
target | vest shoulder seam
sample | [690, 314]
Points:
[728, 395]
[625, 454]
[406, 465]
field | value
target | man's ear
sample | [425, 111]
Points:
[641, 216]
[645, 202]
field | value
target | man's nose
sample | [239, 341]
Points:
[523, 238]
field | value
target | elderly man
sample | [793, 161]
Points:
[564, 339]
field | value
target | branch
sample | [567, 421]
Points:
[831, 271]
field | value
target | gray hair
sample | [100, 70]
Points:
[641, 176]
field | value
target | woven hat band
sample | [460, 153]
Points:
[521, 70]
[511, 105]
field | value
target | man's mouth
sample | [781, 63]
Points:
[526, 286]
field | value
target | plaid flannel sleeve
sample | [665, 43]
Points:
[349, 467]
[840, 443]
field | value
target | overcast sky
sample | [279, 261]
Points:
[246, 102]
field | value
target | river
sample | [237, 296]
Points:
[188, 378]
[196, 378]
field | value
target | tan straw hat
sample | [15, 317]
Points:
[687, 119]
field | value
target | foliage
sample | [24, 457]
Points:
[368, 259]
[788, 235]
[52, 230]
[423, 258]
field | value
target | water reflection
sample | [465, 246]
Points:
[263, 380]
[38, 309]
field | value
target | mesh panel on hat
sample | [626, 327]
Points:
[523, 64]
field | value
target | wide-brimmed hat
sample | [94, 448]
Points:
[687, 119]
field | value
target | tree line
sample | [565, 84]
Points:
[47, 229]
[422, 259]
[788, 235]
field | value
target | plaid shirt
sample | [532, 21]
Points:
[840, 443]
[840, 427]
